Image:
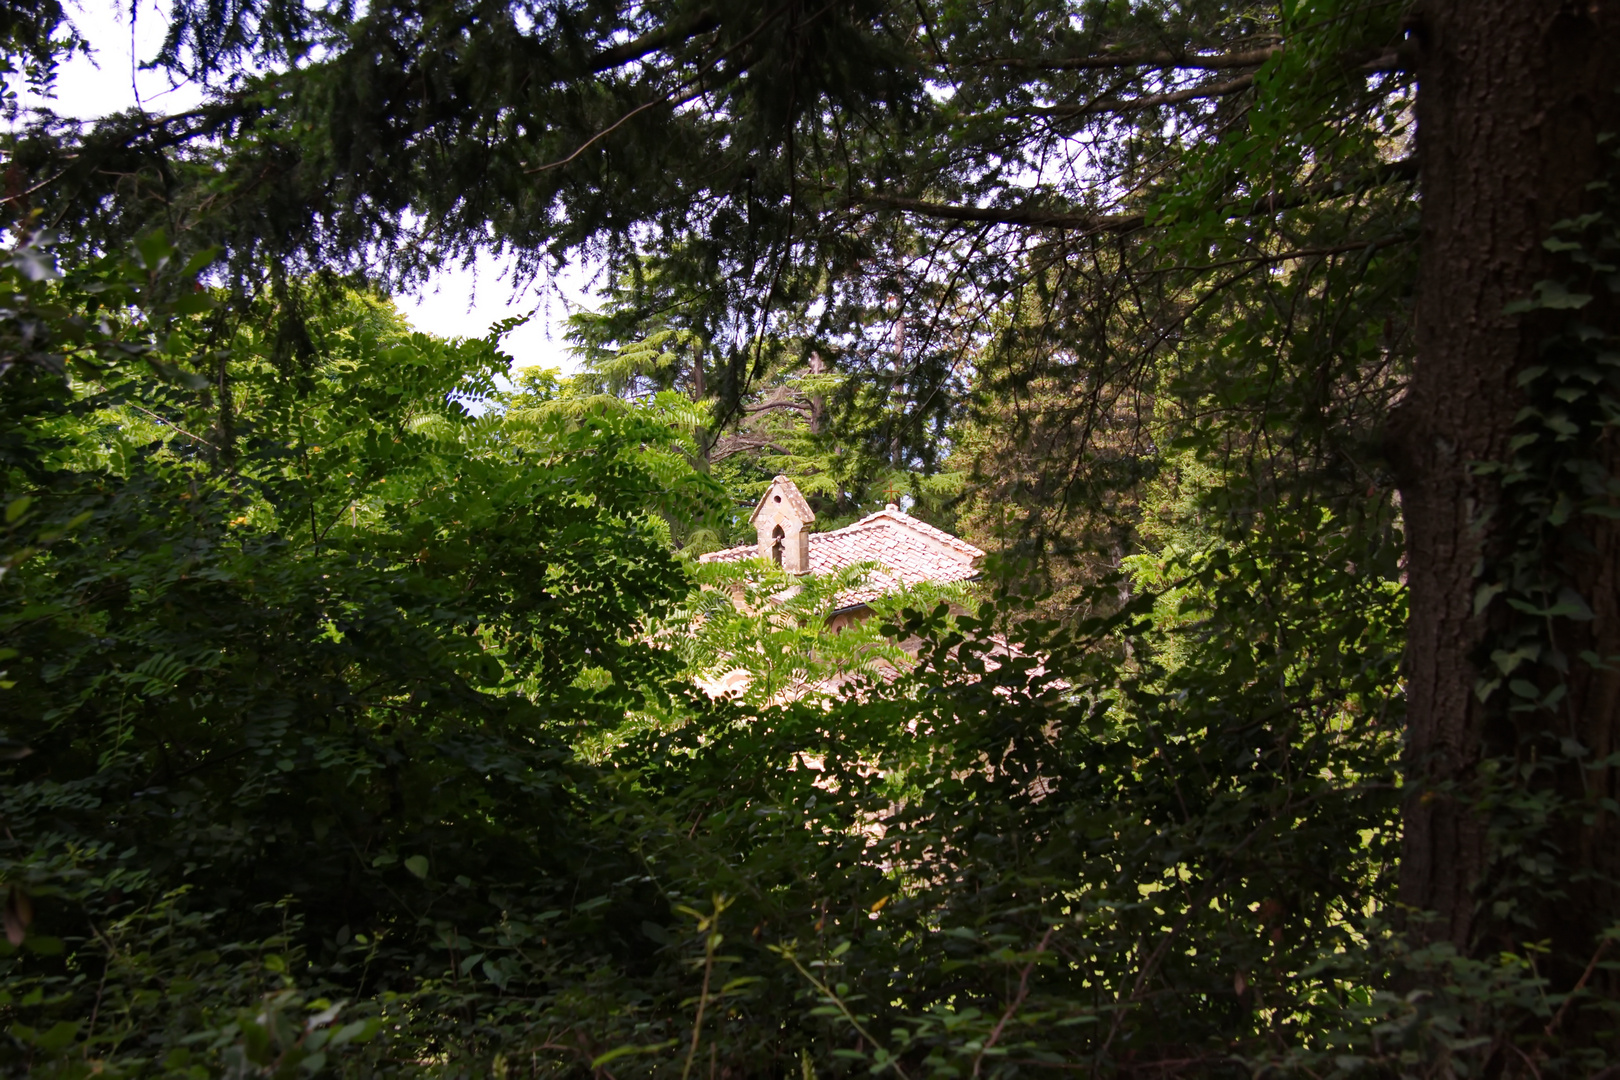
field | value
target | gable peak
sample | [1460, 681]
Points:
[783, 495]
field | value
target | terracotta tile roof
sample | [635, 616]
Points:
[910, 551]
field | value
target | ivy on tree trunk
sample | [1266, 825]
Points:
[1513, 98]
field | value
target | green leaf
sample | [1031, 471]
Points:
[627, 1051]
[1550, 294]
[355, 1031]
[1485, 594]
[57, 1036]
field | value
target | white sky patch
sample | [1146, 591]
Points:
[456, 302]
[461, 302]
[109, 80]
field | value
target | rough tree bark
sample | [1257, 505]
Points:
[1512, 97]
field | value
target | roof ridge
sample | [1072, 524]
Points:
[900, 517]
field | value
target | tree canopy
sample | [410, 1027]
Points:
[352, 705]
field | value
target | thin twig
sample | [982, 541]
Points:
[838, 1003]
[1012, 1006]
[696, 80]
[95, 1012]
[170, 423]
[588, 143]
[1580, 984]
[1533, 1070]
[711, 927]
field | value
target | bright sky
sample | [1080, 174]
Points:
[457, 303]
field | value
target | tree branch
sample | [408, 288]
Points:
[1396, 59]
[1034, 217]
[1173, 97]
[754, 410]
[736, 444]
[1040, 218]
[630, 51]
[1159, 59]
[695, 86]
[605, 132]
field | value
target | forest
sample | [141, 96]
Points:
[353, 718]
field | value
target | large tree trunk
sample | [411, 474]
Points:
[1512, 97]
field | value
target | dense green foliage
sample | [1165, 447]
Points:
[304, 740]
[341, 672]
[331, 764]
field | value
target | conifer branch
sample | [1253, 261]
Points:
[1173, 97]
[1033, 217]
[1386, 60]
[620, 122]
[693, 86]
[1095, 224]
[1157, 59]
[651, 42]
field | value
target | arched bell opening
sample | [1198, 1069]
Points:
[782, 520]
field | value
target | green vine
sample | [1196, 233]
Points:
[1556, 486]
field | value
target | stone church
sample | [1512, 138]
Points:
[907, 551]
